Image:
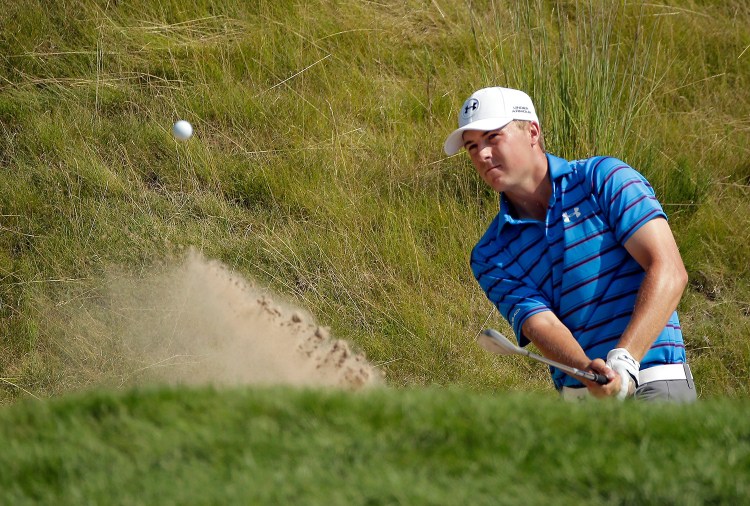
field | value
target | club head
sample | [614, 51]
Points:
[494, 342]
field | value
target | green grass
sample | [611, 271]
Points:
[317, 169]
[414, 446]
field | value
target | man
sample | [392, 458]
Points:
[580, 259]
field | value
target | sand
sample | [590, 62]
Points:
[201, 323]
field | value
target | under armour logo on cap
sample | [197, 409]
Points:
[470, 106]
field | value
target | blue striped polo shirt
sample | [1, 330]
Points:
[574, 263]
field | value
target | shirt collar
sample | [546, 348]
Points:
[557, 168]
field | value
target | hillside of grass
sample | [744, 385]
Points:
[317, 169]
[414, 446]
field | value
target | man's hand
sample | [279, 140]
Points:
[610, 389]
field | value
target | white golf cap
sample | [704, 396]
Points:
[490, 109]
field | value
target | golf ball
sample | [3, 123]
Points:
[182, 130]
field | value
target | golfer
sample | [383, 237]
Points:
[580, 259]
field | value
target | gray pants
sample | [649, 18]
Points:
[682, 390]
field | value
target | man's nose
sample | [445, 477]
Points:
[485, 152]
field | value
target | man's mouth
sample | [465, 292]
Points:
[494, 167]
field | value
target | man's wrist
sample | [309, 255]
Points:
[622, 362]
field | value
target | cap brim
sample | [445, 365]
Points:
[455, 140]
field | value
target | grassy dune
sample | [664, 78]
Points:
[416, 446]
[317, 169]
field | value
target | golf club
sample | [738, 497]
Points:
[494, 342]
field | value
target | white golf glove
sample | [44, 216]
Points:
[622, 362]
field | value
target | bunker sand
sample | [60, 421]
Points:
[201, 323]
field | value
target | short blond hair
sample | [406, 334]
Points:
[525, 125]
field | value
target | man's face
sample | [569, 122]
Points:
[502, 157]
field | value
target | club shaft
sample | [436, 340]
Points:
[506, 347]
[591, 376]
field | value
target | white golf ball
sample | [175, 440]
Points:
[182, 130]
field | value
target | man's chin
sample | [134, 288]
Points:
[497, 184]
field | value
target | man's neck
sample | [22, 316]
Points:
[531, 199]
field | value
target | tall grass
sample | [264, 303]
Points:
[317, 166]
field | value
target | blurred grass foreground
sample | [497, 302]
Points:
[316, 169]
[423, 446]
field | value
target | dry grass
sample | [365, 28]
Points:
[317, 170]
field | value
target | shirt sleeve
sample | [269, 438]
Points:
[515, 300]
[625, 197]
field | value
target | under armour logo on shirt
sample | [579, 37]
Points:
[576, 214]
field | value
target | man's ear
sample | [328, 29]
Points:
[535, 131]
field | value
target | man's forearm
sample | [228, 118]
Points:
[554, 340]
[657, 299]
[655, 250]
